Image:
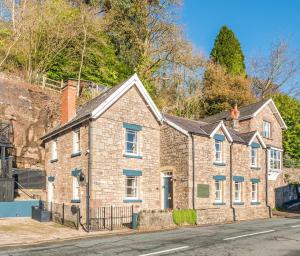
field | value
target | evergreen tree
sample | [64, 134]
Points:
[227, 52]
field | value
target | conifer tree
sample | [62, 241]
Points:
[227, 52]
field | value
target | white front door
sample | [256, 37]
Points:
[50, 191]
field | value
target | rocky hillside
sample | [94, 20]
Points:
[31, 111]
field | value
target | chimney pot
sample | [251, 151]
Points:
[68, 101]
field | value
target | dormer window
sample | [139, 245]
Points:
[254, 154]
[266, 129]
[218, 151]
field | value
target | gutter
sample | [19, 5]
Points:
[231, 185]
[193, 169]
[267, 192]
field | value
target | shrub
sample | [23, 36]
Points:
[184, 216]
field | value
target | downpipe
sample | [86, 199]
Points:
[231, 185]
[193, 169]
[267, 182]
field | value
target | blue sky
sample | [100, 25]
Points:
[256, 23]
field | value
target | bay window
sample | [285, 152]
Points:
[274, 159]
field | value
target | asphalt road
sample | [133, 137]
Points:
[271, 237]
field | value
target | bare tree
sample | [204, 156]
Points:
[272, 72]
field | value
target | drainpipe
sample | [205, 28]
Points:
[231, 185]
[193, 168]
[267, 193]
[89, 176]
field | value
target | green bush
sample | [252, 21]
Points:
[185, 216]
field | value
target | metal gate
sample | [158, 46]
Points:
[110, 218]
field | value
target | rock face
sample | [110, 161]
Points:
[31, 111]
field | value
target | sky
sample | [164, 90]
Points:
[256, 23]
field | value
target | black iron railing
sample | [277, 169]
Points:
[110, 218]
[64, 214]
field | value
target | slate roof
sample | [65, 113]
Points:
[86, 110]
[247, 136]
[201, 128]
[246, 111]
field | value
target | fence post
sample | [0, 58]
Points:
[104, 218]
[44, 81]
[61, 83]
[78, 218]
[111, 217]
[63, 214]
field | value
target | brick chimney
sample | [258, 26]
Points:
[234, 117]
[68, 101]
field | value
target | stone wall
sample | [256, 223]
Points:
[31, 111]
[61, 169]
[214, 216]
[155, 220]
[109, 160]
[175, 158]
[255, 212]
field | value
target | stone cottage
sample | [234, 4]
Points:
[118, 149]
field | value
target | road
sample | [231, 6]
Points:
[271, 237]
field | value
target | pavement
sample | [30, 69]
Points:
[268, 237]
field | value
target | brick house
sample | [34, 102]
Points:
[118, 149]
[224, 164]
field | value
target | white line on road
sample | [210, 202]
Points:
[165, 251]
[295, 226]
[252, 234]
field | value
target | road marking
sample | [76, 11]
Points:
[252, 234]
[295, 226]
[165, 251]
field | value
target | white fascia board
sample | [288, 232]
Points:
[256, 134]
[176, 127]
[278, 149]
[224, 129]
[134, 80]
[276, 112]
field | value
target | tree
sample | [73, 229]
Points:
[279, 68]
[222, 89]
[227, 52]
[289, 108]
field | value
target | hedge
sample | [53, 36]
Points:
[184, 216]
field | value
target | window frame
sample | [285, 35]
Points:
[76, 135]
[219, 191]
[136, 142]
[275, 159]
[54, 151]
[268, 136]
[136, 187]
[75, 189]
[254, 199]
[239, 199]
[220, 151]
[255, 157]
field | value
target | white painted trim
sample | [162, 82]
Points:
[283, 125]
[256, 134]
[134, 80]
[221, 125]
[278, 149]
[176, 127]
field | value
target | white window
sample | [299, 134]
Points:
[275, 159]
[254, 153]
[253, 192]
[54, 149]
[131, 143]
[218, 151]
[218, 191]
[76, 141]
[131, 187]
[237, 191]
[266, 129]
[76, 188]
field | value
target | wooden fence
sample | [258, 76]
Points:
[6, 189]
